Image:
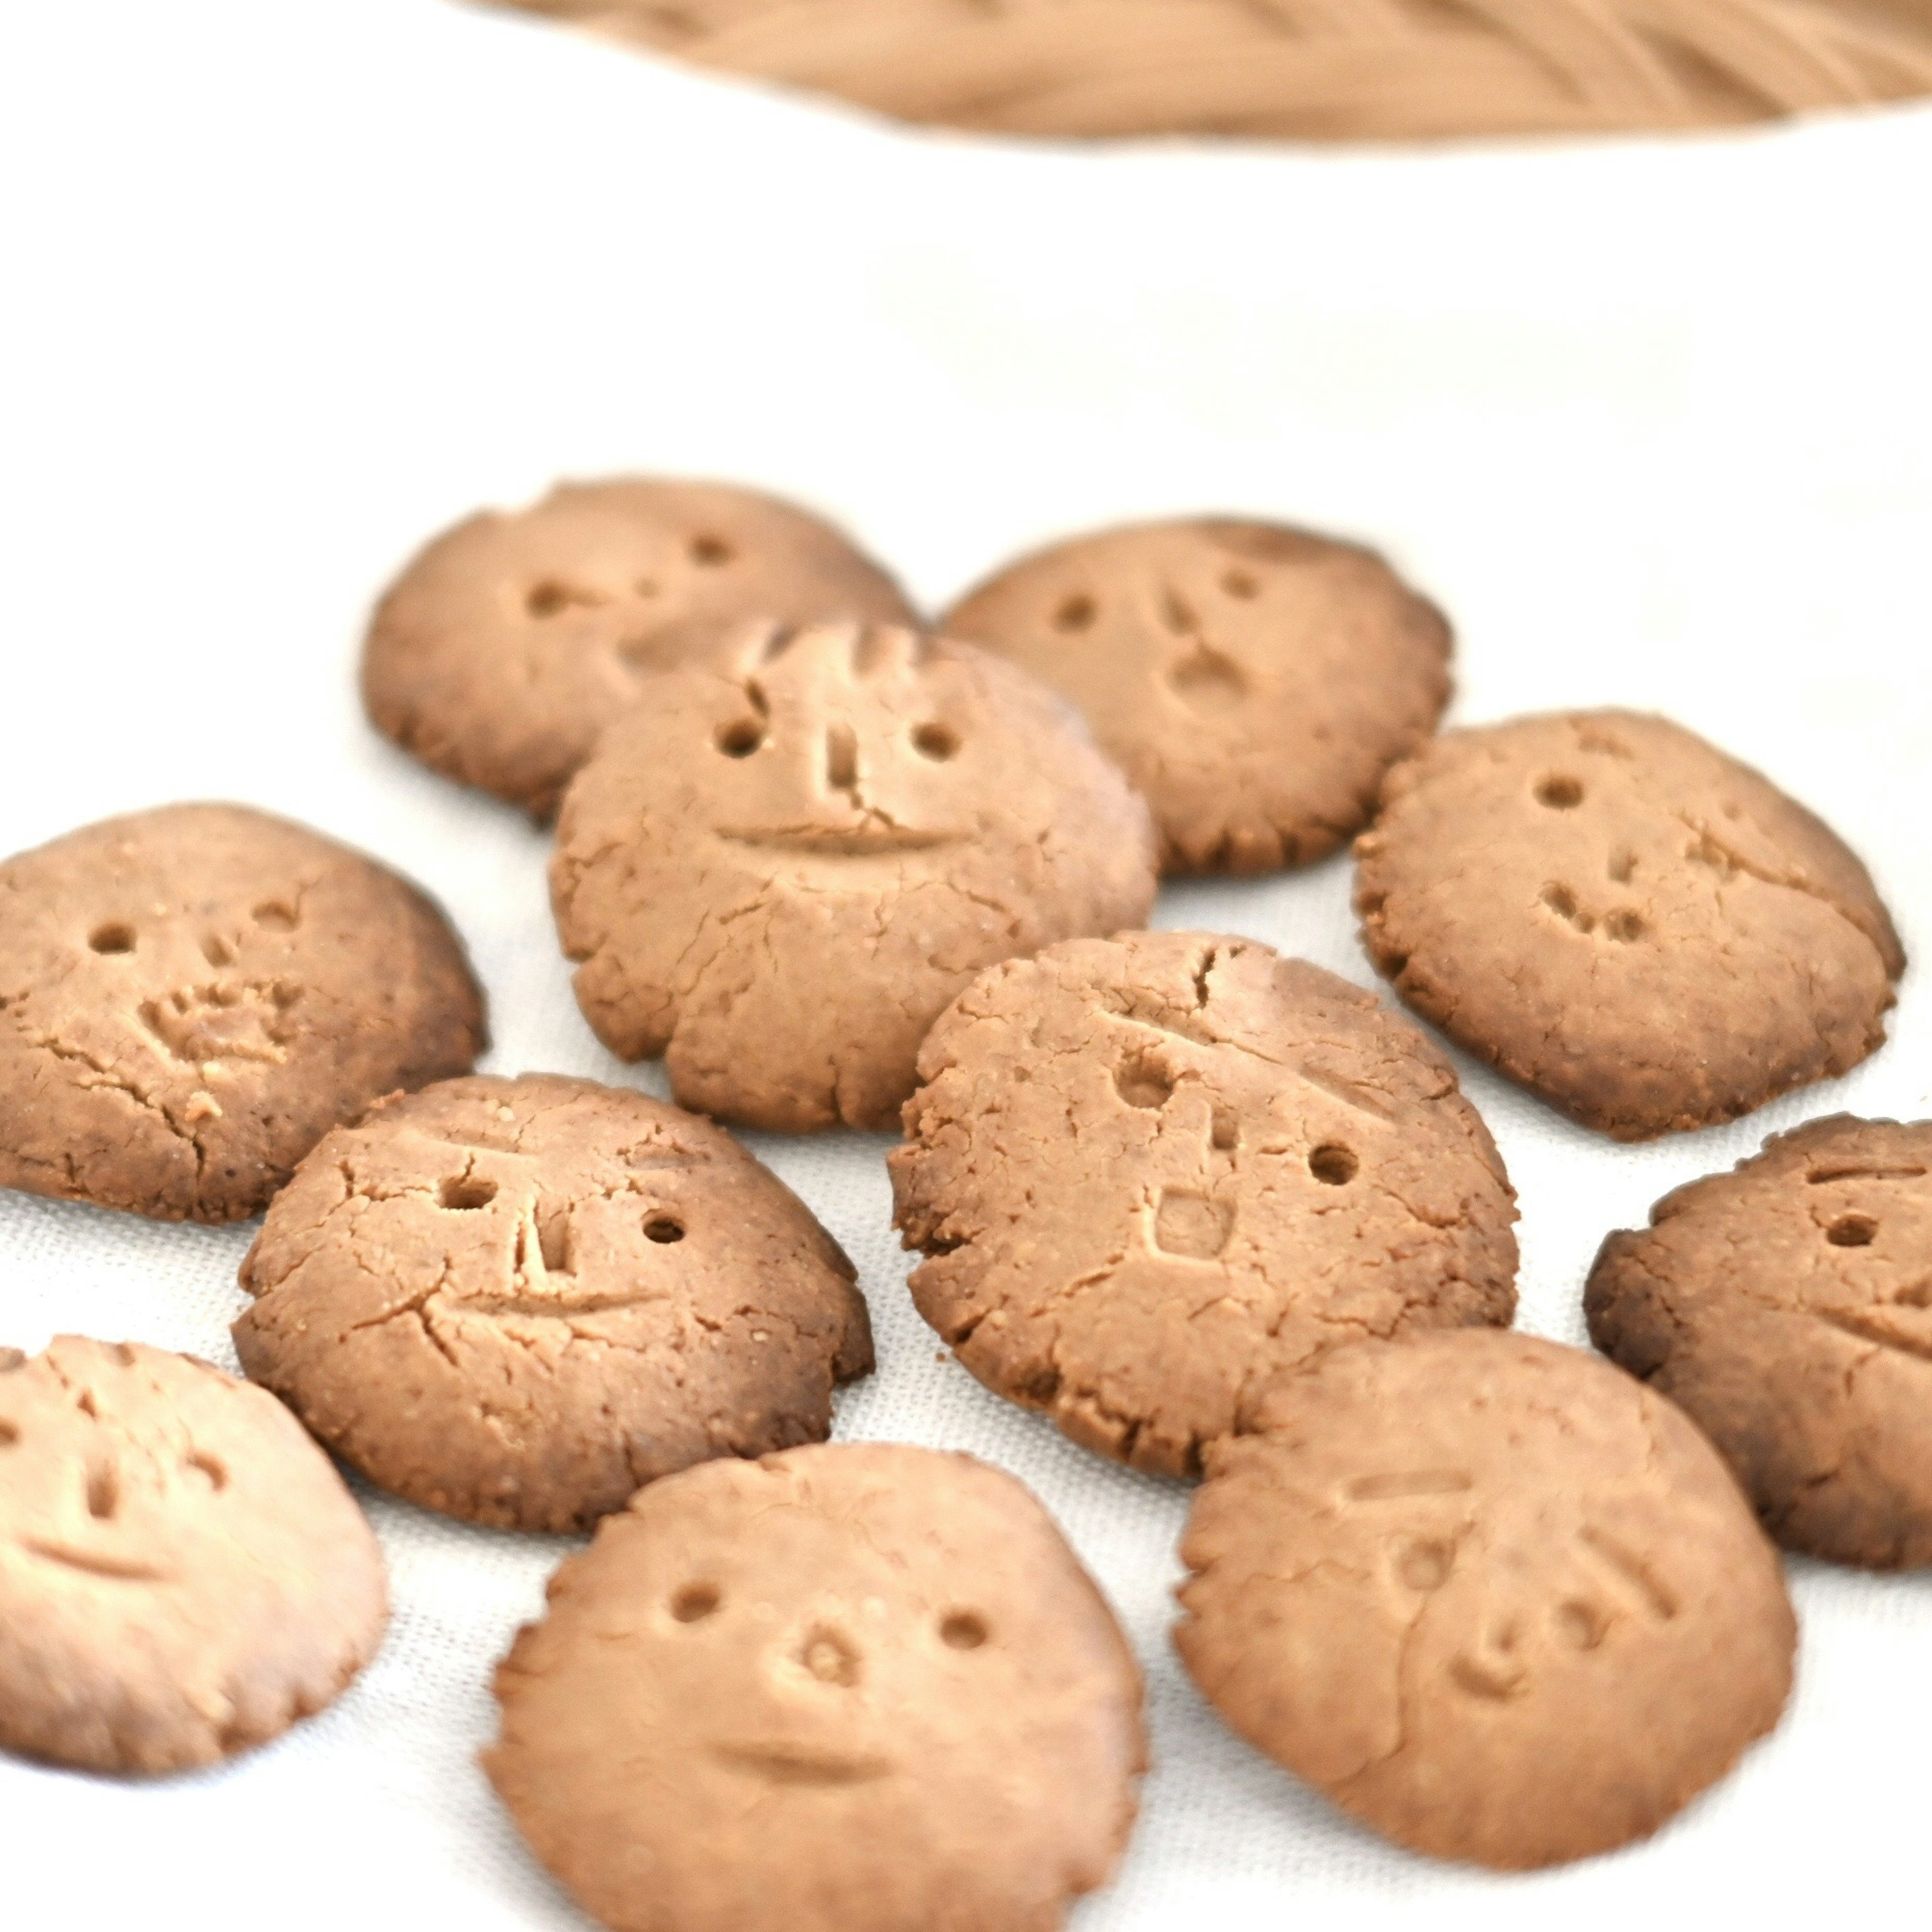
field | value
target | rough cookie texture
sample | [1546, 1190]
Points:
[1496, 1601]
[778, 879]
[1254, 681]
[1785, 1306]
[517, 1301]
[182, 1574]
[507, 644]
[1640, 930]
[1149, 1173]
[191, 997]
[859, 1688]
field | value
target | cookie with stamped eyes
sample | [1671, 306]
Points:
[1612, 912]
[1148, 1174]
[1786, 1306]
[1496, 1600]
[859, 1687]
[778, 877]
[182, 1574]
[506, 645]
[191, 997]
[517, 1301]
[1254, 680]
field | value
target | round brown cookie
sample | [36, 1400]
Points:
[191, 997]
[502, 650]
[859, 1688]
[1149, 1173]
[1785, 1307]
[517, 1301]
[1640, 930]
[182, 1574]
[1256, 681]
[1496, 1601]
[779, 880]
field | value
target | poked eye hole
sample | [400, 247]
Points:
[963, 1629]
[739, 738]
[935, 741]
[692, 1603]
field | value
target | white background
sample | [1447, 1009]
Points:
[287, 286]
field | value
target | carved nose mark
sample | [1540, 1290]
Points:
[841, 758]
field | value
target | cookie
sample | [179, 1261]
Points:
[517, 1301]
[1496, 1601]
[859, 1688]
[1635, 927]
[1148, 1174]
[191, 997]
[1254, 681]
[778, 880]
[182, 1574]
[503, 649]
[1784, 1306]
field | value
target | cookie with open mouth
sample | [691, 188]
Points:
[855, 1687]
[777, 875]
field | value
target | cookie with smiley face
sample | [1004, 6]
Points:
[505, 646]
[853, 1688]
[1147, 1174]
[1497, 1600]
[182, 1574]
[1254, 680]
[517, 1301]
[1787, 1306]
[1642, 930]
[777, 878]
[191, 997]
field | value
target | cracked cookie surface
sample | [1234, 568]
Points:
[1254, 681]
[1787, 1306]
[1496, 1599]
[517, 1301]
[191, 997]
[509, 641]
[777, 878]
[1149, 1173]
[182, 1574]
[860, 1687]
[1640, 930]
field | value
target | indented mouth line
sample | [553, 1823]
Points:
[800, 1764]
[121, 1568]
[839, 841]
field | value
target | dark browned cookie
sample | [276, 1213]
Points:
[182, 1574]
[1788, 1307]
[778, 879]
[191, 997]
[1147, 1174]
[1496, 1601]
[1254, 680]
[517, 1301]
[506, 646]
[1640, 930]
[860, 1688]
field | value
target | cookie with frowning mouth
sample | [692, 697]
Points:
[1496, 1601]
[508, 643]
[182, 1574]
[1787, 1306]
[778, 876]
[858, 1688]
[191, 997]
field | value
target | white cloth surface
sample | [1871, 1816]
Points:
[288, 287]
